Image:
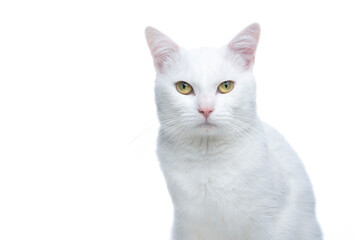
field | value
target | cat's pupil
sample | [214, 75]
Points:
[226, 84]
[184, 85]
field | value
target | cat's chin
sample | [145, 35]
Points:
[207, 128]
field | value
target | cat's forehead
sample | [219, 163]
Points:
[205, 66]
[204, 56]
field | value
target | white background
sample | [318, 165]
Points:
[77, 114]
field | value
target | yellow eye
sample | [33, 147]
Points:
[184, 88]
[226, 87]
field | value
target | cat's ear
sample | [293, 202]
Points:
[245, 44]
[161, 47]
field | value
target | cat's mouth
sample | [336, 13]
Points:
[206, 125]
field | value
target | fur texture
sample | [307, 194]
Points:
[230, 176]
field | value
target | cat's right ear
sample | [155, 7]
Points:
[161, 47]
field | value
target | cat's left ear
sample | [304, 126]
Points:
[161, 47]
[245, 44]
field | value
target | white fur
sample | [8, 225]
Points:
[237, 178]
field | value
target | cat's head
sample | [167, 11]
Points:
[205, 91]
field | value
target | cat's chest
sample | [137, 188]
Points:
[202, 177]
[206, 172]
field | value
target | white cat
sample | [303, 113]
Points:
[230, 176]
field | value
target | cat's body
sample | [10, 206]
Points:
[239, 193]
[230, 176]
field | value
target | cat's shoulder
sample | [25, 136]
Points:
[272, 135]
[280, 150]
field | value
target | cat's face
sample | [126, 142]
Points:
[205, 91]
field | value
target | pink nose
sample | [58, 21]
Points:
[205, 112]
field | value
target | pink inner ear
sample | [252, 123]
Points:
[245, 44]
[161, 54]
[161, 47]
